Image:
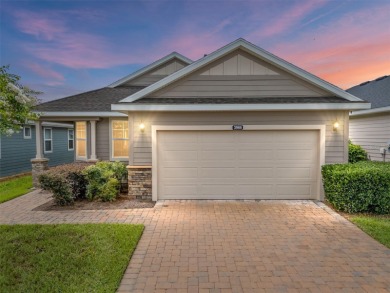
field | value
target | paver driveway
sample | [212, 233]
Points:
[235, 246]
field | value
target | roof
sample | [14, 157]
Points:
[93, 101]
[150, 67]
[252, 49]
[377, 91]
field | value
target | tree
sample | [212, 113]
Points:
[16, 102]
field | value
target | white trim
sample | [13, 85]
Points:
[150, 67]
[371, 111]
[252, 49]
[321, 128]
[45, 139]
[81, 114]
[24, 132]
[111, 148]
[241, 107]
[81, 158]
[70, 129]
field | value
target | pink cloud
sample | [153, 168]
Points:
[345, 52]
[54, 78]
[287, 20]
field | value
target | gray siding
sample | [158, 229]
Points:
[103, 140]
[240, 75]
[16, 152]
[158, 73]
[372, 133]
[336, 141]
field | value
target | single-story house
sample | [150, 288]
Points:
[239, 123]
[17, 149]
[371, 128]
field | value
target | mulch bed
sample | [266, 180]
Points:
[122, 202]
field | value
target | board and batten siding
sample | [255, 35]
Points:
[336, 148]
[372, 133]
[158, 73]
[239, 74]
[102, 139]
[17, 152]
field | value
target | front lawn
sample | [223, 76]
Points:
[66, 257]
[15, 187]
[375, 226]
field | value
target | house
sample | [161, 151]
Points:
[371, 128]
[239, 123]
[17, 149]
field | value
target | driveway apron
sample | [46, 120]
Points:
[234, 246]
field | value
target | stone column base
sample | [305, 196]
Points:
[38, 167]
[140, 182]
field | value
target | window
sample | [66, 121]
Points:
[27, 132]
[120, 139]
[48, 140]
[70, 139]
[81, 140]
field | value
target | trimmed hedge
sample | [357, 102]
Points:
[66, 182]
[104, 180]
[359, 187]
[356, 153]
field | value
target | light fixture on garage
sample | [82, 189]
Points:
[336, 126]
[142, 127]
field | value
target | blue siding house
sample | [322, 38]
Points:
[17, 150]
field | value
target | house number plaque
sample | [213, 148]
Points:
[238, 127]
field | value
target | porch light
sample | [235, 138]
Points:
[336, 126]
[142, 127]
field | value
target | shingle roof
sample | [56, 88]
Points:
[92, 101]
[252, 100]
[377, 92]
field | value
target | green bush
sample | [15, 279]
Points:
[104, 180]
[356, 153]
[66, 182]
[359, 187]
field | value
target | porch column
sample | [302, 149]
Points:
[93, 141]
[38, 140]
[39, 163]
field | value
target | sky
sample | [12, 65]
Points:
[66, 47]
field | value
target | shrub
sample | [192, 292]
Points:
[359, 187]
[66, 182]
[356, 153]
[104, 180]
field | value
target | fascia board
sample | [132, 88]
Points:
[241, 107]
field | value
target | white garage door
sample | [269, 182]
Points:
[237, 164]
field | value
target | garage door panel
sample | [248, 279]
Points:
[237, 164]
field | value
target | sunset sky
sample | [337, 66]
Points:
[67, 47]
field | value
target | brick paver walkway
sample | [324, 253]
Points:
[235, 246]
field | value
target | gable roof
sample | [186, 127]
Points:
[377, 91]
[252, 49]
[150, 67]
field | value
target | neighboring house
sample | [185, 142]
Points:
[16, 150]
[239, 123]
[371, 128]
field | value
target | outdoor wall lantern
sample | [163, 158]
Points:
[142, 127]
[336, 126]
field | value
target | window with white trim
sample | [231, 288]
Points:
[120, 139]
[48, 140]
[70, 139]
[27, 132]
[81, 140]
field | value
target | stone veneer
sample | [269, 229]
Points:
[140, 182]
[38, 166]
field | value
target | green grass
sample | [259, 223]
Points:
[15, 187]
[378, 227]
[66, 257]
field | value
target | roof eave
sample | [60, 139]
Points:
[80, 114]
[241, 107]
[371, 111]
